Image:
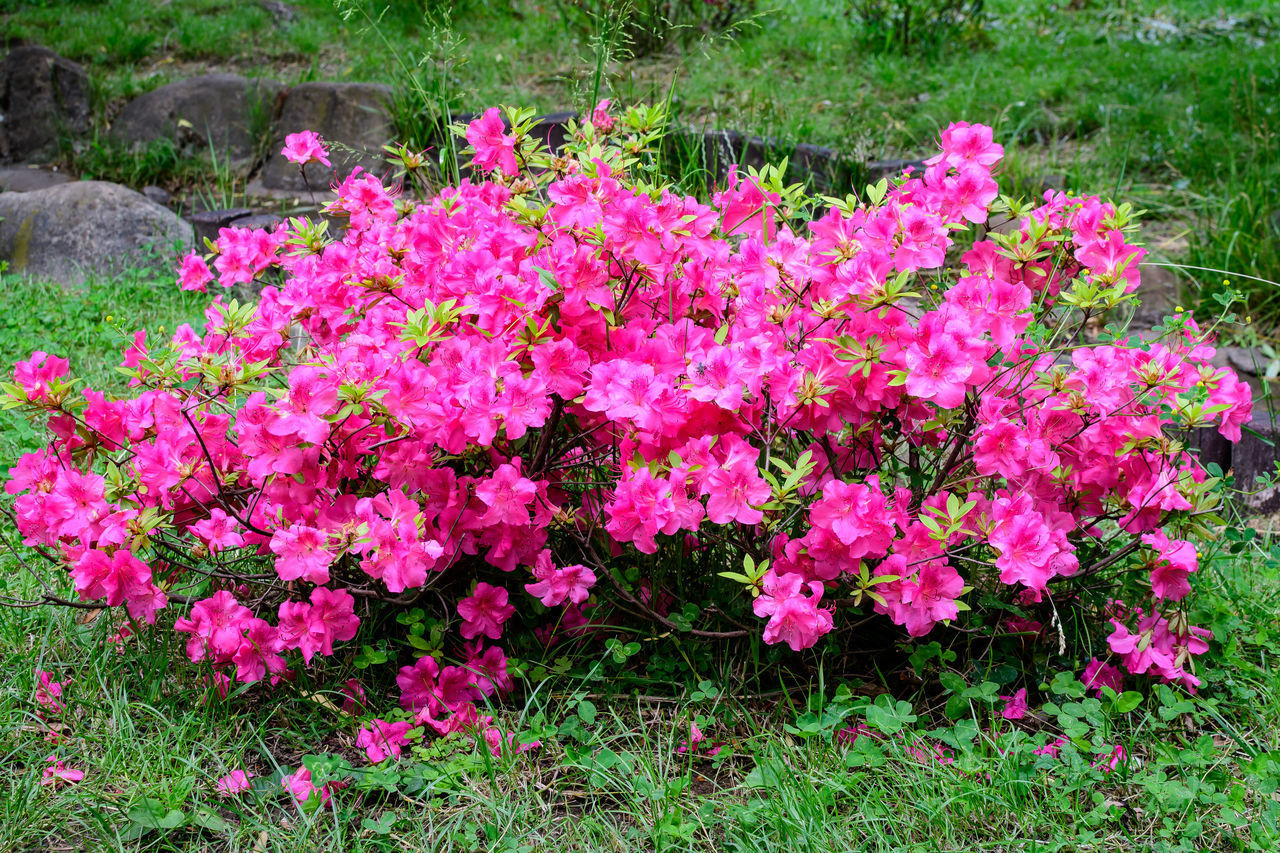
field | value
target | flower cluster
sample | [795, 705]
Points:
[568, 397]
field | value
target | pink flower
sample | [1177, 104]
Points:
[1098, 675]
[76, 504]
[257, 654]
[928, 599]
[1052, 748]
[643, 506]
[600, 118]
[1111, 760]
[1029, 550]
[495, 741]
[1237, 397]
[331, 619]
[556, 586]
[120, 578]
[938, 368]
[217, 682]
[302, 553]
[1174, 561]
[382, 739]
[216, 625]
[963, 143]
[1015, 707]
[487, 669]
[219, 531]
[698, 744]
[305, 147]
[353, 698]
[495, 148]
[300, 786]
[857, 514]
[1112, 260]
[235, 782]
[1020, 625]
[418, 684]
[245, 253]
[508, 496]
[794, 618]
[935, 752]
[735, 488]
[35, 375]
[484, 611]
[194, 273]
[49, 693]
[58, 772]
[136, 351]
[849, 735]
[1157, 649]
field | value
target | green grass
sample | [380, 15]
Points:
[1202, 775]
[152, 740]
[87, 325]
[1164, 103]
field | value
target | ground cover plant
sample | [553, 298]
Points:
[515, 397]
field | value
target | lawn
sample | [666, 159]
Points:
[899, 745]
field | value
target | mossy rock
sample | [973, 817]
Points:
[85, 229]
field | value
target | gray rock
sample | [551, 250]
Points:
[892, 168]
[42, 97]
[352, 117]
[232, 112]
[256, 191]
[1159, 294]
[1243, 360]
[1053, 181]
[716, 150]
[724, 148]
[281, 13]
[208, 223]
[1254, 457]
[266, 221]
[23, 179]
[157, 194]
[826, 169]
[85, 229]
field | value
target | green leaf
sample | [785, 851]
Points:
[154, 814]
[381, 826]
[207, 818]
[957, 706]
[889, 716]
[547, 278]
[1127, 701]
[586, 712]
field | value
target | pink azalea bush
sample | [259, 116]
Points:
[561, 396]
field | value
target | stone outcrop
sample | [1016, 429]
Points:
[234, 114]
[353, 118]
[87, 229]
[42, 97]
